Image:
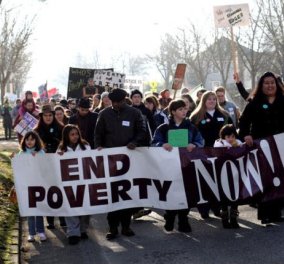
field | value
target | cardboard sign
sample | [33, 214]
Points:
[179, 76]
[178, 137]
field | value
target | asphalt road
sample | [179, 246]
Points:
[208, 243]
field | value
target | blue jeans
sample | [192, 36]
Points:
[35, 224]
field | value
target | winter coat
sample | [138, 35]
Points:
[161, 133]
[118, 128]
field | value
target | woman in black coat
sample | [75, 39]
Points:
[263, 117]
[50, 132]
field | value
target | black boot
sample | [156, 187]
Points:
[184, 226]
[225, 219]
[170, 221]
[233, 218]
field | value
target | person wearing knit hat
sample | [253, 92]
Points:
[85, 120]
[136, 91]
[118, 126]
[136, 97]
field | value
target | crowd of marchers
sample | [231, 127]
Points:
[115, 119]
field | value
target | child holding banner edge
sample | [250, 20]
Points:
[32, 144]
[72, 141]
[228, 138]
[164, 137]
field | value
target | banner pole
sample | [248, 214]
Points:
[234, 51]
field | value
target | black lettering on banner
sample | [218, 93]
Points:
[120, 189]
[114, 160]
[97, 168]
[36, 194]
[54, 191]
[162, 189]
[66, 170]
[75, 200]
[142, 183]
[95, 193]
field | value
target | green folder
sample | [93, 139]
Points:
[178, 137]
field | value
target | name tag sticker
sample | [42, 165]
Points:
[220, 119]
[126, 123]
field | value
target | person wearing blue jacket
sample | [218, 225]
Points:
[178, 111]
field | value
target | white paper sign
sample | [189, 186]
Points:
[231, 15]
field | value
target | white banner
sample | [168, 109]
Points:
[93, 182]
[231, 15]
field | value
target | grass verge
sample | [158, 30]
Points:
[8, 211]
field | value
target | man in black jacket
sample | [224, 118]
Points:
[117, 126]
[85, 120]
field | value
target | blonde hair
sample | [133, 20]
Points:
[199, 113]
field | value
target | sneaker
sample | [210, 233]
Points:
[31, 238]
[127, 232]
[42, 237]
[73, 240]
[142, 213]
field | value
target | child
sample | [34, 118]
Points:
[228, 138]
[178, 111]
[72, 141]
[32, 144]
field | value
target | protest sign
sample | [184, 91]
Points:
[231, 15]
[92, 182]
[109, 78]
[78, 77]
[133, 83]
[27, 123]
[179, 76]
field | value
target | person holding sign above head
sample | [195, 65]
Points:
[118, 126]
[209, 118]
[180, 132]
[263, 116]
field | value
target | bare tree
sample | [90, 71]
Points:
[273, 23]
[252, 47]
[14, 40]
[192, 45]
[221, 56]
[167, 58]
[130, 65]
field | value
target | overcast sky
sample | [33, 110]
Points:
[65, 28]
